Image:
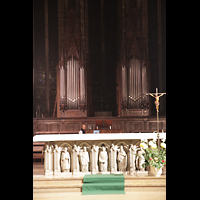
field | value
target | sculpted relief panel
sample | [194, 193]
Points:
[62, 158]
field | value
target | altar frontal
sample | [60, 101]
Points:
[80, 154]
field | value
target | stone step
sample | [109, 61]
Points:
[146, 183]
[60, 184]
[74, 184]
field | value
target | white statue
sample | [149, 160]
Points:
[48, 160]
[140, 160]
[65, 161]
[56, 159]
[94, 159]
[75, 160]
[132, 158]
[84, 157]
[103, 157]
[122, 160]
[113, 158]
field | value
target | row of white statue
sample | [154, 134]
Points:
[94, 159]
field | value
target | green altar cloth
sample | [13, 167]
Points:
[103, 184]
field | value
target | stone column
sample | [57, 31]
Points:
[94, 159]
[56, 160]
[113, 159]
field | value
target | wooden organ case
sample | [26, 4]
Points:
[73, 56]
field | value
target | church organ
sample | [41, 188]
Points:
[133, 61]
[115, 75]
[73, 53]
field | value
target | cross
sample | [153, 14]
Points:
[157, 96]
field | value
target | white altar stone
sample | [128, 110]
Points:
[87, 137]
[98, 160]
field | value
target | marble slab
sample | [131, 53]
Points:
[86, 137]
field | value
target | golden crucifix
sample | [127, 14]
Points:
[157, 96]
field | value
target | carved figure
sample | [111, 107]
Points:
[65, 161]
[75, 160]
[132, 158]
[84, 157]
[94, 159]
[103, 157]
[122, 160]
[140, 160]
[113, 158]
[56, 159]
[49, 159]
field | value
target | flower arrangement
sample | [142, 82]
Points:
[152, 155]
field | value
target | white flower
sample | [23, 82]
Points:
[153, 146]
[151, 143]
[163, 139]
[154, 139]
[163, 145]
[143, 145]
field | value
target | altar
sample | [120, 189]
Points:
[71, 154]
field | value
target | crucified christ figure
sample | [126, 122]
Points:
[157, 100]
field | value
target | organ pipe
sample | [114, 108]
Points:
[62, 85]
[134, 81]
[72, 84]
[124, 84]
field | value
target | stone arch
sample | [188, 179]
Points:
[125, 146]
[65, 144]
[84, 144]
[103, 142]
[62, 146]
[121, 143]
[137, 143]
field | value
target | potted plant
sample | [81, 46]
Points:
[154, 157]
